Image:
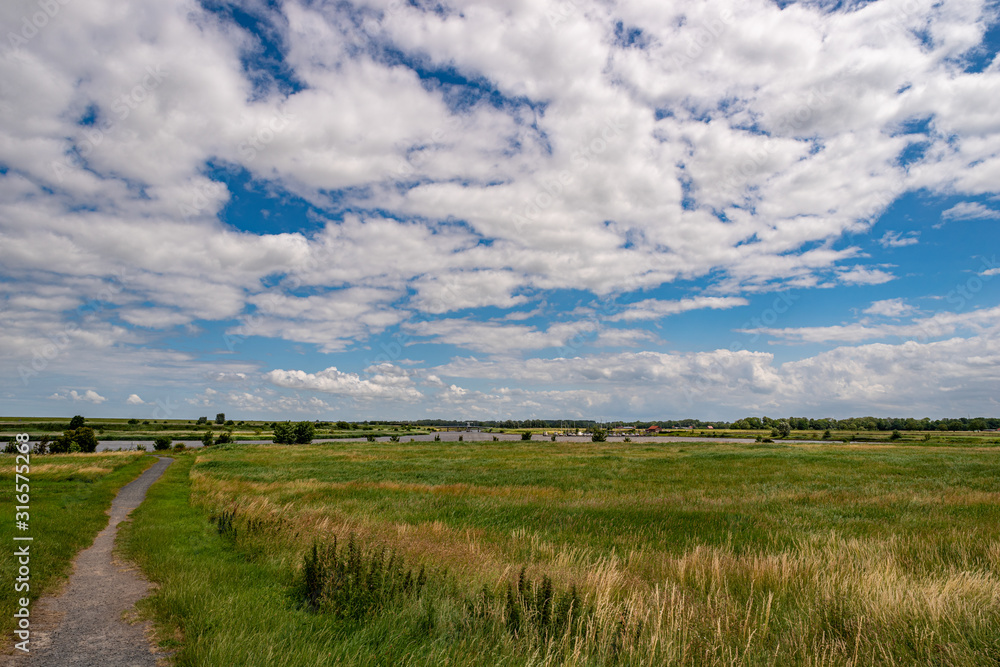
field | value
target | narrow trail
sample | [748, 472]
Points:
[84, 626]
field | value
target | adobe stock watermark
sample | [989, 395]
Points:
[59, 341]
[122, 106]
[264, 134]
[33, 23]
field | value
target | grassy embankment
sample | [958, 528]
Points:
[69, 495]
[679, 554]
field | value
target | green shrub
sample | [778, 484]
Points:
[526, 435]
[161, 442]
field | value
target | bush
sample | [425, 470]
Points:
[827, 435]
[599, 435]
[224, 438]
[76, 422]
[628, 439]
[161, 442]
[140, 447]
[526, 435]
[133, 422]
[393, 438]
[180, 447]
[896, 435]
[553, 438]
[202, 420]
[287, 433]
[207, 438]
[496, 439]
[220, 418]
[79, 440]
[370, 438]
[461, 438]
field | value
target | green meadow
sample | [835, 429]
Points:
[69, 497]
[537, 553]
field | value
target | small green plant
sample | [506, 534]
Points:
[553, 438]
[437, 438]
[349, 583]
[927, 437]
[370, 438]
[180, 447]
[496, 439]
[140, 447]
[627, 439]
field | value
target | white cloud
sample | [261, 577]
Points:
[890, 308]
[385, 382]
[899, 239]
[90, 396]
[654, 309]
[134, 399]
[860, 275]
[970, 211]
[922, 328]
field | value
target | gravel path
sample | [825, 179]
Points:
[84, 626]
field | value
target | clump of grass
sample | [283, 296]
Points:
[349, 583]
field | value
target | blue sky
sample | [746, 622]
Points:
[386, 209]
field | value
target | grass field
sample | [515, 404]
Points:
[576, 553]
[69, 495]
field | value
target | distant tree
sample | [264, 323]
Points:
[161, 442]
[284, 433]
[343, 426]
[782, 429]
[220, 418]
[304, 433]
[76, 422]
[202, 420]
[133, 422]
[78, 440]
[230, 422]
[85, 438]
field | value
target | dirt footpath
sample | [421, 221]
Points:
[84, 626]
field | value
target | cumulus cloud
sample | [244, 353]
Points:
[88, 396]
[741, 145]
[970, 211]
[134, 399]
[654, 309]
[890, 308]
[383, 381]
[899, 239]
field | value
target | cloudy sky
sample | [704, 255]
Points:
[505, 209]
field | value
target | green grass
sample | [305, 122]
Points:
[678, 553]
[69, 494]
